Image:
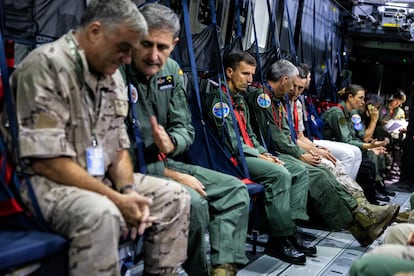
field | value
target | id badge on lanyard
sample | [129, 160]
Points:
[95, 159]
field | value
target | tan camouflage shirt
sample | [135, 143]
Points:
[61, 106]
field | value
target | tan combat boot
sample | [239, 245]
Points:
[378, 211]
[359, 233]
[224, 270]
[373, 220]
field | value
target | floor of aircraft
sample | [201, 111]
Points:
[336, 250]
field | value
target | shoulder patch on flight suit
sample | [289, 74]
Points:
[121, 108]
[383, 111]
[134, 93]
[342, 121]
[220, 110]
[165, 82]
[357, 126]
[356, 118]
[263, 100]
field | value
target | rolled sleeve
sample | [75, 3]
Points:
[44, 143]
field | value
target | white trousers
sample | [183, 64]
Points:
[349, 155]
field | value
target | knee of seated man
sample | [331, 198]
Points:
[97, 208]
[199, 214]
[282, 173]
[105, 205]
[239, 190]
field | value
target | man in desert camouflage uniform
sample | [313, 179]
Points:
[71, 108]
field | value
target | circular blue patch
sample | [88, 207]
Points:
[263, 100]
[220, 110]
[357, 126]
[356, 118]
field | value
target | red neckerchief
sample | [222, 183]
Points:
[279, 117]
[296, 117]
[241, 120]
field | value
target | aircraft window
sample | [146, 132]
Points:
[261, 16]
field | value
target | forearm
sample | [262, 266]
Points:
[369, 131]
[305, 146]
[65, 171]
[366, 146]
[305, 143]
[174, 175]
[121, 171]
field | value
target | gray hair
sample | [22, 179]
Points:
[280, 69]
[112, 13]
[160, 17]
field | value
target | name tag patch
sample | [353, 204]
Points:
[166, 82]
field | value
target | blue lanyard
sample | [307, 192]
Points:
[139, 143]
[289, 117]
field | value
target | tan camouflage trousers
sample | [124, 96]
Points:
[337, 169]
[92, 223]
[395, 242]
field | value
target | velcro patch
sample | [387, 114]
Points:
[166, 82]
[220, 110]
[263, 100]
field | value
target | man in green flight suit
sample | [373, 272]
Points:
[329, 199]
[219, 202]
[285, 196]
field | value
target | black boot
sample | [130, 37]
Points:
[381, 197]
[302, 245]
[380, 187]
[284, 250]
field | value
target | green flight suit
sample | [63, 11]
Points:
[224, 212]
[327, 196]
[338, 126]
[380, 265]
[285, 198]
